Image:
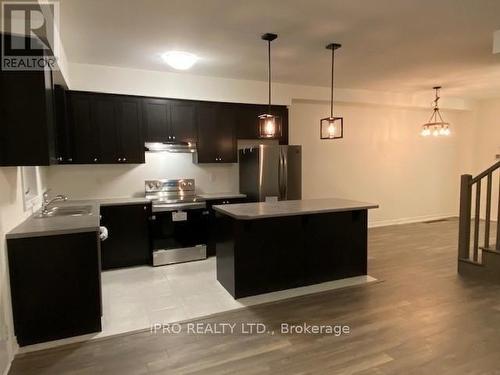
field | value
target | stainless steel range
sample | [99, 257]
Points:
[180, 220]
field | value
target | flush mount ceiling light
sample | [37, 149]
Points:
[179, 60]
[332, 127]
[436, 126]
[269, 124]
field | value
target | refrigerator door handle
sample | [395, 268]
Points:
[285, 175]
[280, 175]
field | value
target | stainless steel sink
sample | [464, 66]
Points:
[67, 211]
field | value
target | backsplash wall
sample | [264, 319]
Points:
[116, 181]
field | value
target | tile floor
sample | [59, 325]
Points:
[137, 298]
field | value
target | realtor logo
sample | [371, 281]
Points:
[28, 38]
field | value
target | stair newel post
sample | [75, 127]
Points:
[498, 217]
[488, 211]
[477, 221]
[465, 216]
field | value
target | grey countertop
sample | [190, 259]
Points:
[261, 210]
[50, 226]
[209, 196]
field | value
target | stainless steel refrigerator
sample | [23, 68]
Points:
[269, 173]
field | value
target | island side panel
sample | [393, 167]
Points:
[225, 255]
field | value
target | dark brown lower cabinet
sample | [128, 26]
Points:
[129, 242]
[213, 221]
[55, 286]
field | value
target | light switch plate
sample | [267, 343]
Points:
[496, 41]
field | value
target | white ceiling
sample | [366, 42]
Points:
[388, 45]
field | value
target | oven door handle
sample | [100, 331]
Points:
[179, 207]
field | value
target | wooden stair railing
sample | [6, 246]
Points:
[464, 231]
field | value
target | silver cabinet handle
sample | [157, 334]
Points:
[173, 137]
[70, 160]
[95, 159]
[124, 159]
[119, 159]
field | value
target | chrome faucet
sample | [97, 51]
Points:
[47, 202]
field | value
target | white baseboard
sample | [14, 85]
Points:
[12, 349]
[408, 220]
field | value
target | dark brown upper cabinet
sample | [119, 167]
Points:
[83, 129]
[105, 129]
[216, 133]
[26, 118]
[167, 120]
[108, 128]
[130, 130]
[156, 119]
[64, 137]
[183, 121]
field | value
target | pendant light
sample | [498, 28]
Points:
[332, 127]
[436, 126]
[269, 124]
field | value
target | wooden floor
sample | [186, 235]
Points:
[422, 319]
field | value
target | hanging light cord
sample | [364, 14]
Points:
[269, 65]
[331, 92]
[436, 113]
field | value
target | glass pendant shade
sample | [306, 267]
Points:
[332, 128]
[269, 126]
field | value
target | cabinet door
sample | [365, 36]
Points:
[156, 119]
[54, 295]
[26, 115]
[104, 118]
[247, 121]
[283, 113]
[64, 138]
[128, 243]
[130, 131]
[85, 136]
[215, 222]
[207, 133]
[226, 148]
[183, 121]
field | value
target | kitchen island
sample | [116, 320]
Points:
[270, 246]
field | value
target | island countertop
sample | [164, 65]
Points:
[262, 210]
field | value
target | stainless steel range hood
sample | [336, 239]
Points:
[178, 147]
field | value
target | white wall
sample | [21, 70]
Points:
[488, 133]
[488, 145]
[187, 86]
[383, 159]
[11, 214]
